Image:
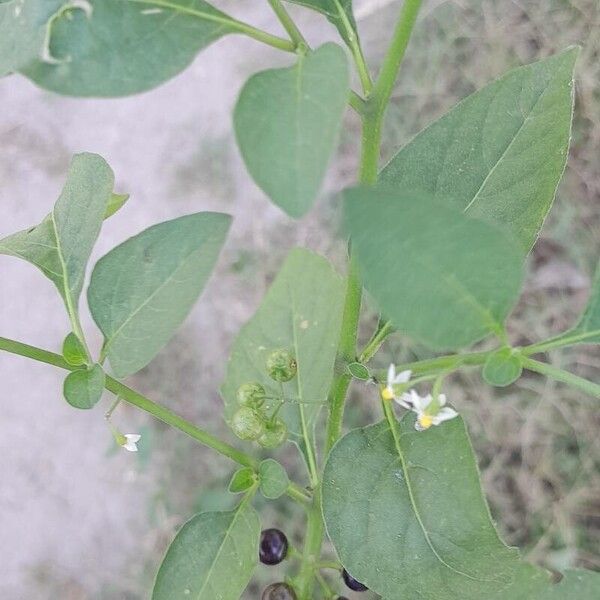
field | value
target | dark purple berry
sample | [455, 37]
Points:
[342, 598]
[279, 591]
[273, 547]
[352, 583]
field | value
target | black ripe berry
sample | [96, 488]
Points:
[273, 547]
[279, 591]
[357, 586]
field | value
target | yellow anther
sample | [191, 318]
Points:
[387, 393]
[425, 421]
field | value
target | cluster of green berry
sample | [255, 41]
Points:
[257, 418]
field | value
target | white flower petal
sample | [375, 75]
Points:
[445, 414]
[131, 440]
[409, 398]
[421, 402]
[442, 399]
[403, 377]
[391, 374]
[404, 401]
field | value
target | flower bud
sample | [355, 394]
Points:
[73, 351]
[247, 423]
[281, 365]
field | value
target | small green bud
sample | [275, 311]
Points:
[247, 423]
[281, 365]
[251, 394]
[242, 480]
[274, 435]
[73, 351]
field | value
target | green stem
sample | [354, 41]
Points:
[170, 418]
[382, 90]
[312, 549]
[228, 22]
[357, 102]
[324, 585]
[297, 493]
[449, 362]
[593, 389]
[369, 165]
[108, 414]
[395, 54]
[346, 354]
[372, 116]
[375, 342]
[356, 49]
[339, 389]
[560, 341]
[371, 143]
[126, 394]
[288, 23]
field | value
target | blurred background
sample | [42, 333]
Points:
[82, 520]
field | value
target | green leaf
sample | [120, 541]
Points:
[457, 277]
[301, 312]
[501, 152]
[273, 479]
[502, 367]
[338, 12]
[23, 28]
[242, 480]
[83, 388]
[408, 519]
[411, 521]
[143, 289]
[60, 246]
[212, 556]
[359, 371]
[74, 351]
[119, 47]
[116, 203]
[287, 123]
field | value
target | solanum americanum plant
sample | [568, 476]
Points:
[438, 239]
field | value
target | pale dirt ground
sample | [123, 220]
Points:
[79, 521]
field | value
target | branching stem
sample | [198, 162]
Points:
[162, 413]
[288, 23]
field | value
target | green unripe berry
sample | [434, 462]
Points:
[247, 423]
[274, 435]
[251, 394]
[281, 365]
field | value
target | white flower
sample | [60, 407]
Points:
[426, 414]
[393, 378]
[409, 399]
[129, 441]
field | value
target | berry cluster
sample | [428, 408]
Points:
[272, 550]
[252, 420]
